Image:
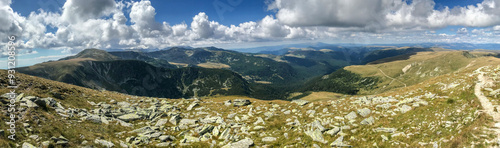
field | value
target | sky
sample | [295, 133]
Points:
[65, 27]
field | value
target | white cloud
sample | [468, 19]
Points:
[103, 24]
[77, 10]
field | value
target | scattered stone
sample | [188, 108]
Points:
[333, 131]
[192, 105]
[351, 116]
[28, 145]
[316, 135]
[364, 112]
[300, 102]
[386, 130]
[129, 117]
[245, 143]
[104, 143]
[368, 121]
[241, 102]
[268, 139]
[339, 142]
[404, 108]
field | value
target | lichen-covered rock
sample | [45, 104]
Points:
[364, 112]
[368, 121]
[300, 102]
[245, 143]
[351, 116]
[241, 102]
[129, 117]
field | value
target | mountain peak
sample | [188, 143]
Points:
[96, 54]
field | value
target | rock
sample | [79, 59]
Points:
[316, 124]
[386, 130]
[404, 108]
[316, 135]
[384, 106]
[166, 138]
[123, 104]
[129, 117]
[339, 142]
[384, 138]
[165, 144]
[190, 139]
[28, 145]
[47, 102]
[226, 134]
[104, 143]
[188, 122]
[300, 102]
[175, 119]
[258, 127]
[259, 121]
[333, 131]
[351, 116]
[245, 143]
[93, 118]
[364, 112]
[368, 121]
[227, 103]
[268, 139]
[206, 129]
[192, 105]
[241, 102]
[161, 122]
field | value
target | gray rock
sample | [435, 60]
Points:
[226, 134]
[28, 145]
[339, 142]
[129, 117]
[259, 121]
[166, 138]
[268, 139]
[333, 131]
[384, 138]
[227, 103]
[94, 118]
[192, 105]
[161, 122]
[386, 130]
[300, 102]
[316, 124]
[404, 108]
[384, 106]
[351, 116]
[190, 139]
[245, 143]
[175, 119]
[241, 102]
[188, 122]
[206, 129]
[316, 135]
[104, 143]
[165, 144]
[364, 112]
[368, 121]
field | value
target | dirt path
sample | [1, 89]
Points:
[485, 103]
[393, 79]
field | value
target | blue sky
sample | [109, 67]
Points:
[158, 24]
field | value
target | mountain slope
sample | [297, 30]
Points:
[139, 78]
[250, 67]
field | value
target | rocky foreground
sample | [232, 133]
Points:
[443, 112]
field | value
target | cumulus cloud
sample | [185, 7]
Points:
[104, 24]
[78, 10]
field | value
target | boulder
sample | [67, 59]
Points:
[368, 121]
[241, 102]
[192, 105]
[300, 102]
[28, 145]
[351, 116]
[316, 135]
[333, 131]
[245, 143]
[339, 142]
[404, 108]
[129, 117]
[175, 119]
[104, 143]
[364, 112]
[268, 139]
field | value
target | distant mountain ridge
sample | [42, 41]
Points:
[137, 77]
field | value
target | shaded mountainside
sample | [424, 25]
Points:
[139, 78]
[251, 67]
[131, 55]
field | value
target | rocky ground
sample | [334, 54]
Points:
[441, 112]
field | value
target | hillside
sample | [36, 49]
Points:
[140, 78]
